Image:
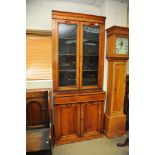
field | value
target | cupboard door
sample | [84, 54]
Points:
[36, 111]
[119, 69]
[91, 55]
[67, 121]
[67, 55]
[91, 116]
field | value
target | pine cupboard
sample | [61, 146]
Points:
[77, 62]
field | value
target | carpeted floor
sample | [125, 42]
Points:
[100, 146]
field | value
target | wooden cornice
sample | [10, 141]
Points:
[39, 32]
[77, 16]
[117, 30]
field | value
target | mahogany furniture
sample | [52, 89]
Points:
[117, 55]
[77, 62]
[38, 122]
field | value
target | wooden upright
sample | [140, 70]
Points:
[117, 55]
[78, 59]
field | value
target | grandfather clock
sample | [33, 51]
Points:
[117, 56]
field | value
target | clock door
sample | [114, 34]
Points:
[91, 55]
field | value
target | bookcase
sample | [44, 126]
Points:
[78, 65]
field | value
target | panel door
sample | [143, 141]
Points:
[91, 55]
[66, 55]
[67, 121]
[36, 112]
[119, 71]
[91, 114]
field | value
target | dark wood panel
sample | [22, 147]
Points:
[37, 108]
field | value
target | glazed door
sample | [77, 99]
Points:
[67, 122]
[91, 55]
[91, 116]
[67, 55]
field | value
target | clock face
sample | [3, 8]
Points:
[121, 45]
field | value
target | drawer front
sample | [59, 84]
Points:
[79, 98]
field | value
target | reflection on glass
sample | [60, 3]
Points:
[90, 55]
[67, 54]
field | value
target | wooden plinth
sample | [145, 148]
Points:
[114, 125]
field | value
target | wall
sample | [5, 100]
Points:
[38, 16]
[116, 14]
[38, 12]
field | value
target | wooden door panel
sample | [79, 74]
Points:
[67, 120]
[91, 117]
[36, 112]
[119, 85]
[68, 115]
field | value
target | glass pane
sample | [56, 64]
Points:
[67, 54]
[67, 78]
[90, 55]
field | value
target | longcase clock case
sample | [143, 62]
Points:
[77, 61]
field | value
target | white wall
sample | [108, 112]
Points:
[38, 12]
[38, 16]
[116, 14]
